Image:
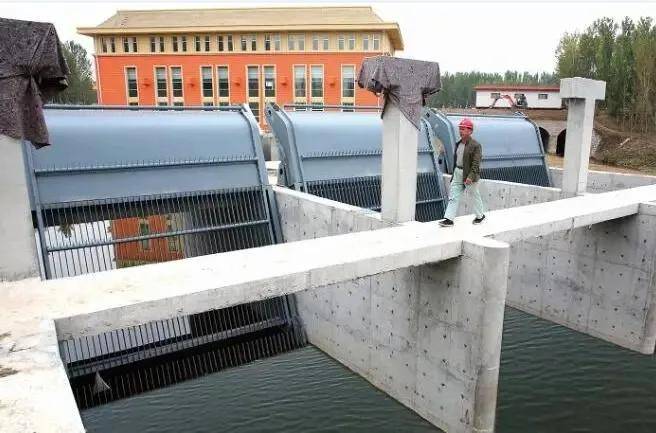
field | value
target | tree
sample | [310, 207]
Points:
[80, 82]
[644, 49]
[567, 56]
[626, 60]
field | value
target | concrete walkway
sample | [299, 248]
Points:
[34, 391]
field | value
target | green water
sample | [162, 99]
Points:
[552, 380]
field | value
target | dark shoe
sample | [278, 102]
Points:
[478, 220]
[446, 222]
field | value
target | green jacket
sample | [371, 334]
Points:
[471, 160]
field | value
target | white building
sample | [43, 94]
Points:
[535, 96]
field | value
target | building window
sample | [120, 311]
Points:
[131, 79]
[320, 42]
[176, 81]
[348, 81]
[206, 74]
[130, 44]
[340, 42]
[161, 44]
[207, 43]
[178, 104]
[197, 43]
[219, 43]
[175, 44]
[254, 90]
[172, 241]
[183, 43]
[543, 96]
[316, 73]
[296, 42]
[272, 42]
[346, 107]
[223, 81]
[253, 82]
[351, 42]
[255, 108]
[376, 39]
[112, 44]
[160, 82]
[365, 43]
[248, 41]
[229, 41]
[299, 82]
[269, 82]
[144, 230]
[103, 43]
[153, 44]
[495, 95]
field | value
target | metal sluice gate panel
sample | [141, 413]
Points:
[123, 187]
[512, 146]
[125, 362]
[337, 155]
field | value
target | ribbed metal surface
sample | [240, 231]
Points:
[337, 155]
[511, 145]
[126, 362]
[365, 192]
[122, 187]
[100, 235]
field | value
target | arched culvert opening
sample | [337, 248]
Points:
[544, 136]
[560, 143]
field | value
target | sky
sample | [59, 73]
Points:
[486, 36]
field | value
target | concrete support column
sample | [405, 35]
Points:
[18, 253]
[399, 180]
[581, 94]
[492, 271]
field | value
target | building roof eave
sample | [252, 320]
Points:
[392, 30]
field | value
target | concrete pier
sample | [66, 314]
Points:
[18, 258]
[399, 179]
[581, 95]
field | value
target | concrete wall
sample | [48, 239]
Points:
[600, 280]
[603, 181]
[429, 336]
[503, 195]
[18, 256]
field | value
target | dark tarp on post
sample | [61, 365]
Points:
[32, 68]
[404, 82]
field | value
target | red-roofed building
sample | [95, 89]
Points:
[496, 96]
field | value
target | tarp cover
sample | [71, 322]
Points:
[404, 82]
[32, 68]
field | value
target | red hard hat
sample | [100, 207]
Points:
[466, 123]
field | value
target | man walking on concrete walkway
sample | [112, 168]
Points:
[466, 175]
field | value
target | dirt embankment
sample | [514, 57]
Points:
[624, 148]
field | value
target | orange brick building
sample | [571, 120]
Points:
[232, 56]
